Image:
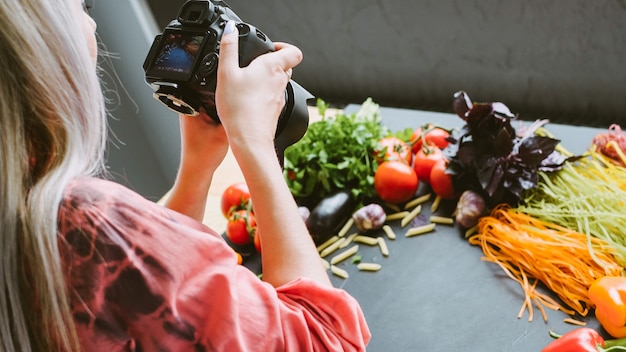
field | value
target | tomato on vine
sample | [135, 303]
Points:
[235, 197]
[424, 160]
[239, 258]
[241, 227]
[440, 181]
[257, 240]
[433, 135]
[395, 181]
[393, 148]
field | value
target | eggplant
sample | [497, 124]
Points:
[329, 215]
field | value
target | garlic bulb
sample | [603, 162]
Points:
[469, 209]
[304, 213]
[369, 217]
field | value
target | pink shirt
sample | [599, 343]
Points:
[145, 278]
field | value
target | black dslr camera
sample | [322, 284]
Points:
[182, 62]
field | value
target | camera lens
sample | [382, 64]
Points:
[173, 99]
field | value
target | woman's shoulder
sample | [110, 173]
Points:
[94, 200]
[92, 204]
[96, 211]
[92, 190]
[87, 193]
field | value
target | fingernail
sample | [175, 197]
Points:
[230, 27]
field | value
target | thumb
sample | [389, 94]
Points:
[229, 48]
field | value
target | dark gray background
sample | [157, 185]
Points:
[563, 59]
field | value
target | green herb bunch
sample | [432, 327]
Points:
[337, 152]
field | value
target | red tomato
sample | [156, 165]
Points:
[440, 181]
[235, 197]
[436, 136]
[291, 175]
[395, 181]
[394, 149]
[239, 258]
[257, 240]
[424, 161]
[240, 227]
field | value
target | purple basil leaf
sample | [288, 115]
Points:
[503, 143]
[503, 110]
[553, 162]
[420, 220]
[466, 155]
[485, 172]
[461, 104]
[490, 175]
[478, 113]
[533, 150]
[517, 179]
[524, 180]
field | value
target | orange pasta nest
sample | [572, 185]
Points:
[531, 250]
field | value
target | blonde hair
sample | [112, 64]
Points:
[53, 129]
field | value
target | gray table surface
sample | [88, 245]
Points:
[434, 293]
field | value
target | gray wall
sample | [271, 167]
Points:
[561, 59]
[144, 149]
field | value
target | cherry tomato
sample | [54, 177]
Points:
[395, 181]
[235, 197]
[257, 240]
[436, 136]
[291, 175]
[424, 161]
[239, 258]
[240, 227]
[393, 148]
[440, 181]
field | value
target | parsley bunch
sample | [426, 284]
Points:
[336, 153]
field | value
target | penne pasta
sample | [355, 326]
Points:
[419, 230]
[344, 255]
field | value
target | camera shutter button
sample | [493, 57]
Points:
[208, 65]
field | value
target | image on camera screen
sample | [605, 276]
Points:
[178, 52]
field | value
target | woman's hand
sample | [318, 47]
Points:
[203, 148]
[249, 100]
[203, 141]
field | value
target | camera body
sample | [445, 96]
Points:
[181, 66]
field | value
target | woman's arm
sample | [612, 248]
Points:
[203, 147]
[249, 101]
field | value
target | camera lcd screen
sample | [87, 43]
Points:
[177, 54]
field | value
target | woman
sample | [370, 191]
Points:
[89, 265]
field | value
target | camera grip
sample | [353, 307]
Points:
[252, 44]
